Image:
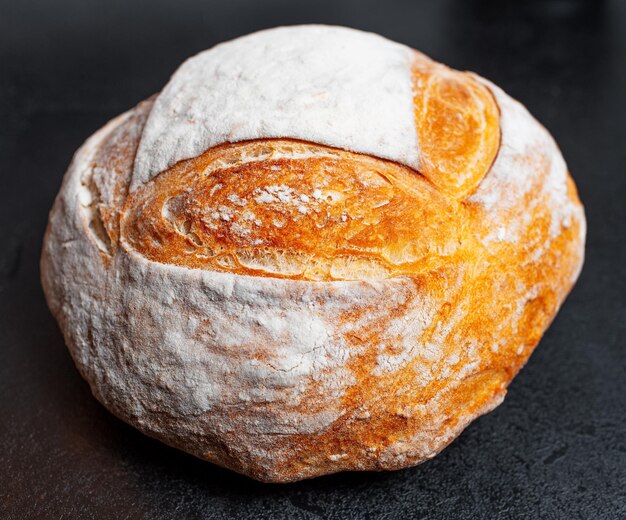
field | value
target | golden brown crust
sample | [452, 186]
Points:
[291, 209]
[457, 122]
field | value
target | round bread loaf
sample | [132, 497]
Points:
[315, 250]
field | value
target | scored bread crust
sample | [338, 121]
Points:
[287, 308]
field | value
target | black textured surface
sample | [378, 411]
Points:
[556, 448]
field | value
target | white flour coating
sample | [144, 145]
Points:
[526, 147]
[405, 329]
[330, 85]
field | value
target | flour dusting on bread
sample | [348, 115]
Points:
[330, 85]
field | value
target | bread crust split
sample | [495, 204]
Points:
[304, 286]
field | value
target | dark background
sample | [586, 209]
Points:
[556, 448]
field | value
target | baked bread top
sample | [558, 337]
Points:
[248, 187]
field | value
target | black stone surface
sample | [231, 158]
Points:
[556, 448]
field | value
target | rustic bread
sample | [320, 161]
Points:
[315, 250]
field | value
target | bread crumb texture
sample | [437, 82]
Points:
[314, 251]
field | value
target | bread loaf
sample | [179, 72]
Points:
[314, 250]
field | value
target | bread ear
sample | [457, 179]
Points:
[458, 126]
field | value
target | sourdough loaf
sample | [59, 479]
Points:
[314, 250]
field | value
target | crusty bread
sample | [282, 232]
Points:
[315, 250]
